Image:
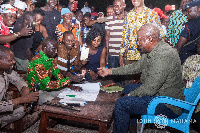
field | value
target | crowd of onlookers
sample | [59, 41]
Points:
[48, 42]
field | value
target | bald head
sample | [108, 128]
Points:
[119, 1]
[50, 47]
[151, 30]
[148, 36]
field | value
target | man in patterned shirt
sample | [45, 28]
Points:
[177, 19]
[43, 70]
[137, 17]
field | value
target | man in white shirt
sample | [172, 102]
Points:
[86, 8]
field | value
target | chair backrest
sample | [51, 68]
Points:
[192, 95]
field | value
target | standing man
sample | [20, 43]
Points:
[86, 8]
[137, 17]
[161, 76]
[114, 27]
[177, 19]
[22, 46]
[11, 110]
[52, 17]
[190, 34]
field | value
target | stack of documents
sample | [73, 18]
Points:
[89, 93]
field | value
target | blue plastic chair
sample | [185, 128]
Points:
[181, 123]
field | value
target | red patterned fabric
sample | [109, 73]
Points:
[4, 30]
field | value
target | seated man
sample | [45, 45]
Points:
[10, 110]
[42, 69]
[161, 76]
[68, 55]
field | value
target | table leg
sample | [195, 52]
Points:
[43, 123]
[103, 128]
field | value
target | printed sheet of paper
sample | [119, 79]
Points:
[89, 93]
[84, 53]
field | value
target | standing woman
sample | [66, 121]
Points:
[65, 25]
[52, 17]
[97, 53]
[40, 30]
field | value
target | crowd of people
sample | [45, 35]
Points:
[46, 43]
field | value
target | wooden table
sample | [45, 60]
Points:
[99, 112]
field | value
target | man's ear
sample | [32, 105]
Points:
[2, 15]
[62, 16]
[150, 39]
[124, 6]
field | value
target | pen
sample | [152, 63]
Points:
[71, 95]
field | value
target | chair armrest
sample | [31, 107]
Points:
[168, 100]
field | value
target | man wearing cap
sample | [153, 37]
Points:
[177, 19]
[7, 19]
[190, 34]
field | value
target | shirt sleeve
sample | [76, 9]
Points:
[125, 37]
[170, 28]
[156, 20]
[17, 80]
[185, 32]
[157, 74]
[6, 106]
[130, 69]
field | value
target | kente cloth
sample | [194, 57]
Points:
[41, 69]
[132, 23]
[63, 58]
[4, 30]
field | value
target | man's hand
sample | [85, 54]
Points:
[121, 61]
[26, 31]
[75, 78]
[29, 98]
[104, 71]
[93, 75]
[76, 88]
[84, 62]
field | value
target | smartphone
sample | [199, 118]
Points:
[32, 25]
[75, 3]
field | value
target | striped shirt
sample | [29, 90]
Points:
[115, 26]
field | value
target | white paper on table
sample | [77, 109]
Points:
[89, 93]
[84, 53]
